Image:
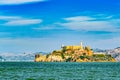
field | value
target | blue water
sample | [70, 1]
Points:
[59, 71]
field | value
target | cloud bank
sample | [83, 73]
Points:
[10, 2]
[18, 21]
[88, 23]
[23, 22]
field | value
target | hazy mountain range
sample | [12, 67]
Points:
[114, 52]
[18, 57]
[30, 56]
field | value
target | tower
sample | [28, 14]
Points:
[81, 45]
[62, 46]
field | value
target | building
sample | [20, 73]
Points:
[77, 49]
[73, 47]
[71, 52]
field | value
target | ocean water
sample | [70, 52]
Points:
[59, 71]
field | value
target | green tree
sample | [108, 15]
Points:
[47, 55]
[82, 57]
[84, 54]
[62, 55]
[87, 48]
[69, 59]
[63, 49]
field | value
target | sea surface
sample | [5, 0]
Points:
[59, 71]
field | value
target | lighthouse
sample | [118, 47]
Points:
[81, 45]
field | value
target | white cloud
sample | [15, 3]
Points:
[108, 17]
[9, 2]
[18, 20]
[90, 24]
[21, 22]
[9, 17]
[79, 18]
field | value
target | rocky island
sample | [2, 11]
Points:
[74, 53]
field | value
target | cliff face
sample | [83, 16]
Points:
[74, 54]
[75, 58]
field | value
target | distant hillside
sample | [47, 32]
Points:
[30, 56]
[99, 50]
[19, 56]
[113, 52]
[16, 57]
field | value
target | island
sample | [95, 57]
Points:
[74, 53]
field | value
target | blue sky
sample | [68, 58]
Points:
[43, 25]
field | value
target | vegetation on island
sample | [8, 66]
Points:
[74, 54]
